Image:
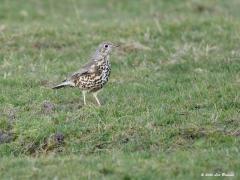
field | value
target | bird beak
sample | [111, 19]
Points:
[116, 45]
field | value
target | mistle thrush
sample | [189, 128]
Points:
[94, 75]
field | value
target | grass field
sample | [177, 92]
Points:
[171, 109]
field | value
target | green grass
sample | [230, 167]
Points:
[170, 111]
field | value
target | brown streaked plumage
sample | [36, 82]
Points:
[94, 75]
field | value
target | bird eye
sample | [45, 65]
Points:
[106, 46]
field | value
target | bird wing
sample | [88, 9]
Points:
[89, 68]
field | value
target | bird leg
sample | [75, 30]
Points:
[84, 97]
[95, 96]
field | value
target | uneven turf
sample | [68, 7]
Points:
[171, 109]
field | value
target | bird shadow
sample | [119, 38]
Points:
[70, 105]
[76, 104]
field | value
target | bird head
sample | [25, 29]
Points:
[104, 49]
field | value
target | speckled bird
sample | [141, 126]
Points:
[94, 75]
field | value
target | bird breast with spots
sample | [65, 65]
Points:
[95, 81]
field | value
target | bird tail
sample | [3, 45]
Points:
[65, 83]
